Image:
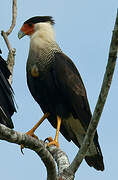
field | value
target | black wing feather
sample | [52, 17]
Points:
[71, 86]
[7, 107]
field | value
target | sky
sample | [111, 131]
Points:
[83, 31]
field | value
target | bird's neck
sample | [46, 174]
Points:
[43, 37]
[44, 44]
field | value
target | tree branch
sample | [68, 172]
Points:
[47, 154]
[62, 163]
[29, 142]
[4, 35]
[11, 55]
[10, 63]
[101, 100]
[14, 14]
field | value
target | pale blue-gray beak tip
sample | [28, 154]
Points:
[21, 34]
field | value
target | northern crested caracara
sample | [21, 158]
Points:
[7, 107]
[57, 87]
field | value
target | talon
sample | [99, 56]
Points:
[21, 148]
[30, 133]
[50, 139]
[53, 143]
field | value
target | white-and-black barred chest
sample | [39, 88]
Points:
[42, 58]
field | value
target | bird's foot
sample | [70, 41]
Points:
[30, 133]
[52, 142]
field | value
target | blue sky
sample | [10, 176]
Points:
[83, 31]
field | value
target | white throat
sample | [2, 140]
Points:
[43, 35]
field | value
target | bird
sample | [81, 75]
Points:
[56, 85]
[7, 105]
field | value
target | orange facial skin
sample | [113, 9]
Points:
[28, 29]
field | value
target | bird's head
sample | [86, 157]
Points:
[42, 24]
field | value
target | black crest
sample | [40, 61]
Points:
[38, 19]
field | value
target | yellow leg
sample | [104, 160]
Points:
[31, 132]
[55, 141]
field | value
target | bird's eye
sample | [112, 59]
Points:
[30, 25]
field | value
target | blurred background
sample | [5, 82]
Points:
[83, 31]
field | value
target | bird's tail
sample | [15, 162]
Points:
[93, 156]
[96, 160]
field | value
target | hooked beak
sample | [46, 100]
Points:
[21, 34]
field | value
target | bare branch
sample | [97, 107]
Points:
[14, 14]
[4, 35]
[37, 145]
[48, 161]
[45, 153]
[101, 100]
[10, 63]
[62, 163]
[11, 55]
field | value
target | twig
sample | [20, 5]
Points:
[11, 55]
[101, 100]
[4, 35]
[14, 14]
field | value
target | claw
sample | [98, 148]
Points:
[21, 148]
[53, 143]
[50, 139]
[30, 133]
